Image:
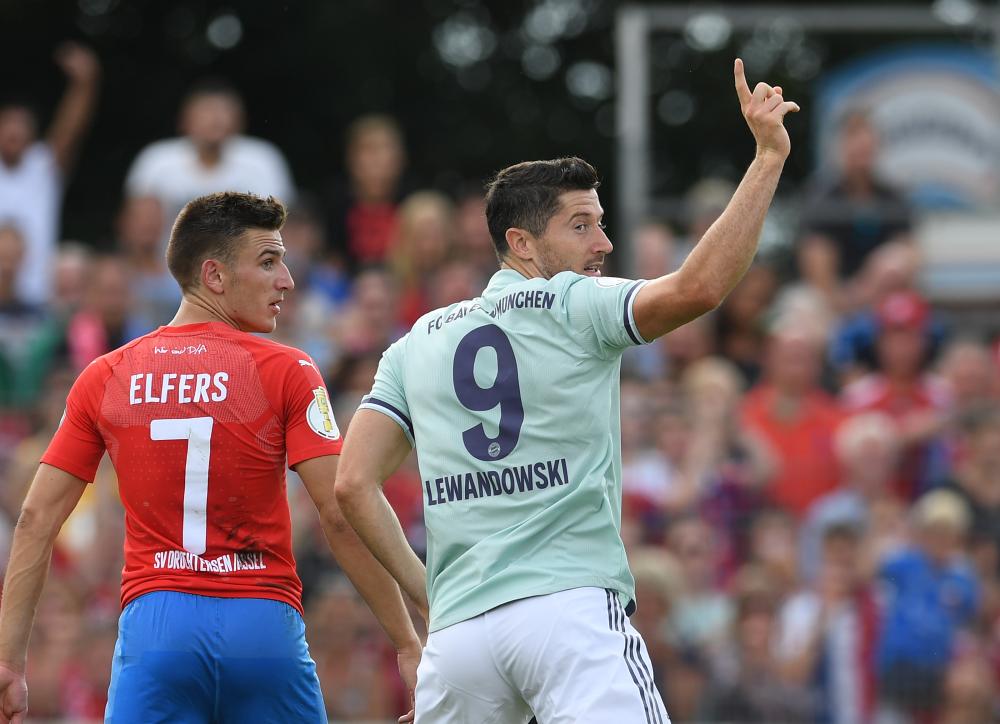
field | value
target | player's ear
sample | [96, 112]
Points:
[212, 273]
[520, 242]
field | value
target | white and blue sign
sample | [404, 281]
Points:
[937, 109]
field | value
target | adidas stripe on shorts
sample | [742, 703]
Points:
[570, 657]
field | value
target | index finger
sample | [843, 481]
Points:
[742, 89]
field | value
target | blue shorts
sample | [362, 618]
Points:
[189, 659]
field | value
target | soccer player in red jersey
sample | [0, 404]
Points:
[200, 418]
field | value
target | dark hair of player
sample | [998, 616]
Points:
[210, 227]
[526, 195]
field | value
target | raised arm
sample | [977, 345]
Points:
[373, 448]
[51, 498]
[724, 253]
[371, 580]
[83, 71]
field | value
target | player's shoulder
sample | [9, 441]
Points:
[100, 368]
[136, 346]
[270, 352]
[442, 322]
[449, 312]
[573, 280]
[574, 290]
[506, 285]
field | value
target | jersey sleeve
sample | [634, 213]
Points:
[388, 395]
[310, 428]
[600, 311]
[78, 446]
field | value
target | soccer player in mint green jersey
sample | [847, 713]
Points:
[512, 402]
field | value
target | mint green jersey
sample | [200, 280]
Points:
[512, 402]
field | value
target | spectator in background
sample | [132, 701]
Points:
[891, 269]
[33, 172]
[658, 582]
[351, 657]
[848, 213]
[473, 243]
[969, 372]
[930, 593]
[369, 322]
[740, 322]
[867, 453]
[656, 253]
[106, 320]
[703, 203]
[916, 400]
[970, 691]
[424, 239]
[701, 614]
[321, 289]
[727, 464]
[154, 292]
[60, 621]
[748, 686]
[363, 210]
[796, 418]
[684, 347]
[24, 329]
[32, 337]
[307, 253]
[827, 633]
[659, 480]
[72, 272]
[976, 478]
[210, 155]
[770, 548]
[453, 282]
[86, 677]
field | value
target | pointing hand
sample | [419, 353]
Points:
[764, 110]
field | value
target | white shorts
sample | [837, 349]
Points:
[568, 658]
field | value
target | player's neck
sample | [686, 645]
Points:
[195, 310]
[525, 267]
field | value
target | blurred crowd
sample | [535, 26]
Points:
[811, 472]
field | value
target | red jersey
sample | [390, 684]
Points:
[199, 420]
[807, 465]
[926, 394]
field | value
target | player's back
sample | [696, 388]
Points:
[197, 419]
[513, 401]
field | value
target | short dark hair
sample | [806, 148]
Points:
[210, 227]
[212, 85]
[526, 195]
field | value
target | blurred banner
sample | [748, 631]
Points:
[937, 109]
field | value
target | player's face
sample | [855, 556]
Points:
[574, 239]
[258, 281]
